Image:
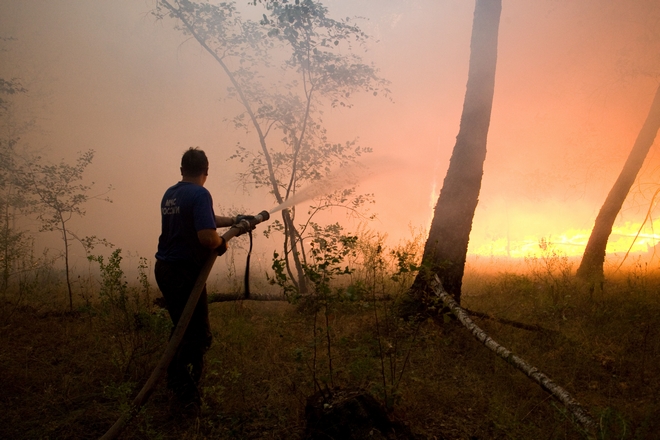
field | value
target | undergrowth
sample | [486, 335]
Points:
[70, 375]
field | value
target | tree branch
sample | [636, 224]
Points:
[516, 324]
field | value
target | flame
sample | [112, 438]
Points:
[633, 238]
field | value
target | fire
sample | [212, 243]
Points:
[633, 238]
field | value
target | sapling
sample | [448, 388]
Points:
[59, 195]
[328, 249]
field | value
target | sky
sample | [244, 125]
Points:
[574, 83]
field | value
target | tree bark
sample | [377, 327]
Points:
[581, 414]
[591, 266]
[446, 247]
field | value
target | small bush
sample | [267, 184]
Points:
[129, 316]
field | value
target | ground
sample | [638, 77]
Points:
[69, 375]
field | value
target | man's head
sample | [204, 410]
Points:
[194, 163]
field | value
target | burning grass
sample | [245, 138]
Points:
[71, 375]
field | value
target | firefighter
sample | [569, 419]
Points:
[188, 236]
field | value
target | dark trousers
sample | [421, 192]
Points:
[176, 281]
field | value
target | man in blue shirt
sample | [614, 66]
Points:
[187, 238]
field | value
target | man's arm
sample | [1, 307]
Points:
[209, 238]
[222, 222]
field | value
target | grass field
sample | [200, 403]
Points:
[69, 375]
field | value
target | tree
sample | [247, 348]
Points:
[445, 250]
[14, 243]
[59, 194]
[314, 63]
[591, 266]
[633, 63]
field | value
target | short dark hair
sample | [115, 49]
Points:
[194, 163]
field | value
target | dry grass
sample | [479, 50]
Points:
[71, 375]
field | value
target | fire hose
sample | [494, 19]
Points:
[245, 225]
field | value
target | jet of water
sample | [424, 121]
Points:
[341, 178]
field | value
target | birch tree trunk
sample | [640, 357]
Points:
[581, 414]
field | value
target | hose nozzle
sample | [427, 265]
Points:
[262, 216]
[246, 224]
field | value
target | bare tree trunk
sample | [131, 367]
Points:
[591, 267]
[66, 262]
[292, 232]
[5, 244]
[446, 247]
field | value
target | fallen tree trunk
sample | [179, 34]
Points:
[516, 324]
[227, 297]
[581, 414]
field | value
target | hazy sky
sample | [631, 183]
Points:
[575, 79]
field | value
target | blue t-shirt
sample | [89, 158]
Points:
[185, 209]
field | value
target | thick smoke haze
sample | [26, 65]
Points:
[574, 83]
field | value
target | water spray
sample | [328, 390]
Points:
[317, 189]
[341, 178]
[345, 176]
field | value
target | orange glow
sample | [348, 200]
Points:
[627, 238]
[573, 87]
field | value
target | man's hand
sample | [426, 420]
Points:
[241, 217]
[242, 223]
